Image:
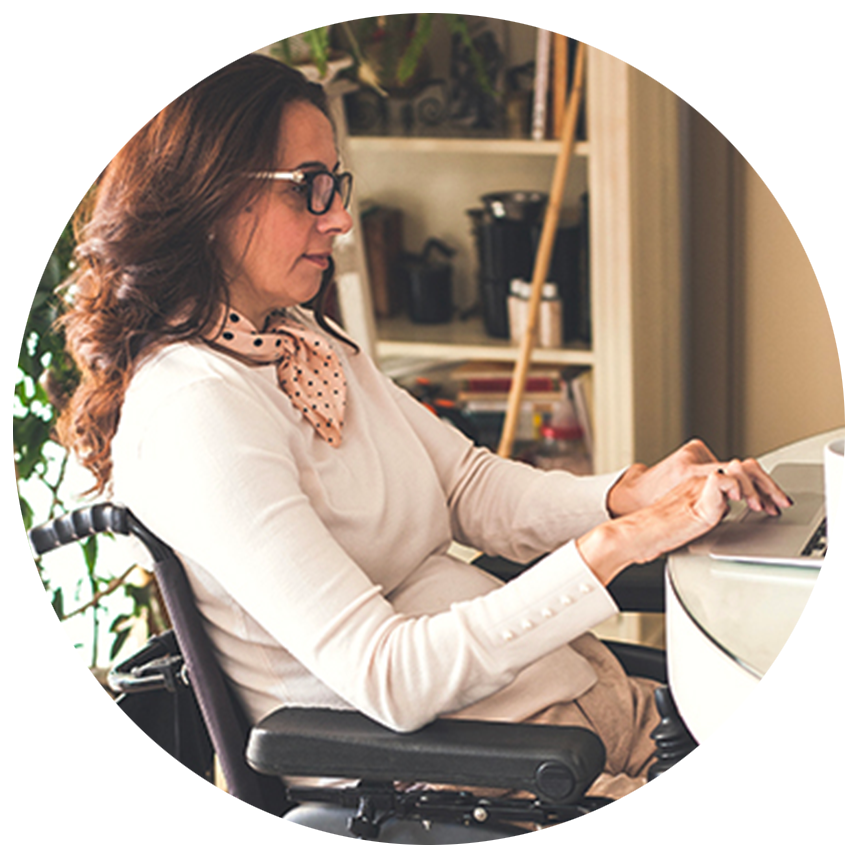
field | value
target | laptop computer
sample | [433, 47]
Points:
[796, 537]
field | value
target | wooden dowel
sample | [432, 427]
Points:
[543, 259]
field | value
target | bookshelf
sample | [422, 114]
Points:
[464, 341]
[434, 181]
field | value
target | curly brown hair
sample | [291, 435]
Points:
[147, 272]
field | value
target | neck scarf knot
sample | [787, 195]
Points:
[308, 369]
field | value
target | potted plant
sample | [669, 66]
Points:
[386, 53]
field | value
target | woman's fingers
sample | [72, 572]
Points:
[689, 510]
[769, 490]
[754, 485]
[713, 495]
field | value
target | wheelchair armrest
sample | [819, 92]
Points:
[555, 763]
[640, 660]
[640, 588]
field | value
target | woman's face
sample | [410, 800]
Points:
[274, 251]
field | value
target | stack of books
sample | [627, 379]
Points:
[483, 389]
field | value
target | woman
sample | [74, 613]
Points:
[312, 501]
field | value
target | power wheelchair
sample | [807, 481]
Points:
[175, 691]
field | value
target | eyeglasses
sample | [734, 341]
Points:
[319, 186]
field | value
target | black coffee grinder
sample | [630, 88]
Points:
[427, 282]
[506, 231]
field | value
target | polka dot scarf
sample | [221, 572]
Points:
[308, 369]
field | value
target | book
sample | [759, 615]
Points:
[560, 73]
[580, 389]
[496, 377]
[541, 85]
[499, 401]
[557, 49]
[383, 243]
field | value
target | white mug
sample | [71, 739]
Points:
[836, 468]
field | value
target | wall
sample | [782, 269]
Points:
[769, 273]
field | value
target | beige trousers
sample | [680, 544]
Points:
[621, 711]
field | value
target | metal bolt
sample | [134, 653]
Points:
[480, 814]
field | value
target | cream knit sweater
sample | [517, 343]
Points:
[322, 573]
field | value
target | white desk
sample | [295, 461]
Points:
[727, 622]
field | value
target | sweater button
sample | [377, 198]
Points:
[526, 624]
[547, 613]
[507, 636]
[566, 600]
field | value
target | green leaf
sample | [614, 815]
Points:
[283, 51]
[118, 644]
[58, 603]
[89, 548]
[409, 60]
[51, 276]
[41, 297]
[318, 41]
[140, 595]
[117, 622]
[26, 512]
[30, 435]
[457, 26]
[28, 365]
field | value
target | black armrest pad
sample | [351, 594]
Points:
[555, 763]
[640, 660]
[640, 588]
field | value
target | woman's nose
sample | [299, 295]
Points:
[337, 220]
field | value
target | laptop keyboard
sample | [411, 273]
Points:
[816, 545]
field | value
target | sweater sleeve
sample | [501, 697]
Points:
[238, 509]
[504, 507]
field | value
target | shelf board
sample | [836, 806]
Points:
[464, 341]
[455, 145]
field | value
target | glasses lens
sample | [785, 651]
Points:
[321, 196]
[345, 182]
[322, 188]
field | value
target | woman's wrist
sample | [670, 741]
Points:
[621, 499]
[604, 550]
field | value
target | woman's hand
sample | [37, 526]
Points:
[640, 487]
[689, 510]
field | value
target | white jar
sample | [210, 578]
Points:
[520, 291]
[550, 321]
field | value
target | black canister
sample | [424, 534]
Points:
[505, 230]
[428, 283]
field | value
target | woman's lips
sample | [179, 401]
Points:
[320, 260]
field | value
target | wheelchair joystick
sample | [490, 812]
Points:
[673, 740]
